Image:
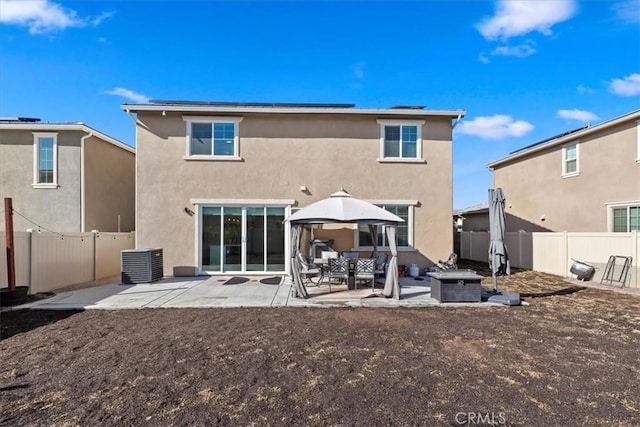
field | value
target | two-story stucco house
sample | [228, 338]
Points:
[585, 180]
[216, 180]
[67, 177]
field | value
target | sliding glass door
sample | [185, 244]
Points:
[255, 239]
[232, 239]
[242, 239]
[274, 234]
[211, 238]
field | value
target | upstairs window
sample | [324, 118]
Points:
[213, 137]
[570, 160]
[401, 140]
[45, 160]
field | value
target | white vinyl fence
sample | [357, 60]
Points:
[554, 253]
[47, 261]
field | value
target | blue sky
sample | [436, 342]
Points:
[523, 70]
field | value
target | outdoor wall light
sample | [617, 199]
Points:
[304, 188]
[189, 211]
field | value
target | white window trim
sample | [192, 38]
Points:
[638, 142]
[201, 158]
[564, 160]
[611, 206]
[400, 160]
[213, 119]
[418, 124]
[244, 202]
[36, 163]
[411, 205]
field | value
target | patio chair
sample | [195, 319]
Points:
[351, 255]
[308, 271]
[450, 264]
[365, 270]
[381, 265]
[338, 269]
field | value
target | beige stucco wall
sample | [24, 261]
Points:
[280, 154]
[57, 209]
[109, 186]
[609, 173]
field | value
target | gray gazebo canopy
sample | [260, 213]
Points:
[340, 207]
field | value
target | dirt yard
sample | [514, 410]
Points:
[570, 358]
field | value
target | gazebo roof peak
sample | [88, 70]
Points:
[341, 193]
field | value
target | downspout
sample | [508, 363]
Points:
[135, 181]
[457, 121]
[134, 120]
[83, 199]
[453, 126]
[82, 182]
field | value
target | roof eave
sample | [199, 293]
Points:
[562, 140]
[67, 126]
[289, 110]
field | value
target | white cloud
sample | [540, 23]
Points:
[627, 11]
[358, 69]
[98, 19]
[483, 58]
[579, 115]
[129, 94]
[497, 126]
[626, 86]
[44, 16]
[581, 89]
[520, 51]
[40, 16]
[518, 17]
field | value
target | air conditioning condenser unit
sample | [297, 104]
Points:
[141, 265]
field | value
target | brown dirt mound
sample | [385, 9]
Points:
[566, 359]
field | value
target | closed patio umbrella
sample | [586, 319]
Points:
[498, 255]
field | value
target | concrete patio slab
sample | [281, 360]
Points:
[211, 291]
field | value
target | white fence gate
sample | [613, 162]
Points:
[554, 252]
[47, 261]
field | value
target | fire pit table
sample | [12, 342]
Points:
[456, 286]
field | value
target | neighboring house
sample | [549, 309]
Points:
[216, 180]
[66, 177]
[473, 218]
[585, 180]
[476, 218]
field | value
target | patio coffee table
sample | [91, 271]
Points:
[456, 286]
